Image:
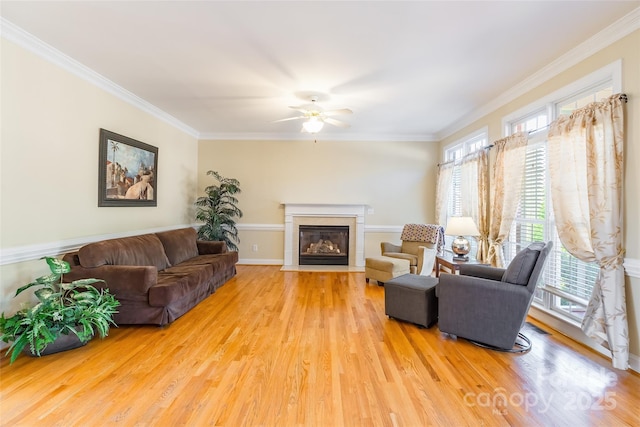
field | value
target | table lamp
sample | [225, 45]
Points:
[461, 226]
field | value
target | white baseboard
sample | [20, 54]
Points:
[575, 333]
[260, 261]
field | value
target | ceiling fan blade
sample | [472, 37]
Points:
[336, 122]
[290, 118]
[301, 109]
[338, 111]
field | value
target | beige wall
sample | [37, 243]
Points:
[396, 179]
[50, 121]
[627, 49]
[48, 171]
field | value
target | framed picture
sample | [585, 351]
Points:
[127, 171]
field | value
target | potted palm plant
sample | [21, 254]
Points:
[66, 316]
[217, 211]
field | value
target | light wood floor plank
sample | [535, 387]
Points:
[273, 348]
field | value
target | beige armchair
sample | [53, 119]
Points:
[420, 245]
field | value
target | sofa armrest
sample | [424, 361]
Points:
[389, 247]
[207, 247]
[482, 271]
[121, 280]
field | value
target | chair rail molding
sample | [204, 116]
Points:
[17, 254]
[36, 251]
[632, 267]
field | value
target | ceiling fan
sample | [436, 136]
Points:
[316, 117]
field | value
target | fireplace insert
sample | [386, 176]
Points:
[324, 245]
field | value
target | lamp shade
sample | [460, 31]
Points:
[313, 125]
[461, 226]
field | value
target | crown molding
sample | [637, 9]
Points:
[17, 35]
[319, 136]
[614, 32]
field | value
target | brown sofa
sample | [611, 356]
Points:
[156, 277]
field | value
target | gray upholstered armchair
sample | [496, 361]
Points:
[487, 305]
[420, 243]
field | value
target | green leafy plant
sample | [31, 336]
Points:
[63, 308]
[217, 211]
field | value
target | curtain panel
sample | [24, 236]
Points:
[445, 174]
[586, 174]
[507, 188]
[474, 189]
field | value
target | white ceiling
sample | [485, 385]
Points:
[408, 70]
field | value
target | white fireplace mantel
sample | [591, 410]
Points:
[295, 212]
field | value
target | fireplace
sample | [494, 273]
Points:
[323, 245]
[302, 214]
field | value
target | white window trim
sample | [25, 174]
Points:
[482, 132]
[464, 143]
[611, 72]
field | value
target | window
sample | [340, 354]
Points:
[455, 153]
[532, 123]
[567, 282]
[566, 107]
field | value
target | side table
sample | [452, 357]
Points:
[452, 265]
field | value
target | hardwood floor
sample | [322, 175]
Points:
[274, 348]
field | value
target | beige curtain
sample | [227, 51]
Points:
[507, 187]
[445, 174]
[474, 188]
[586, 171]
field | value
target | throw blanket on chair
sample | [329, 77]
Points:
[430, 233]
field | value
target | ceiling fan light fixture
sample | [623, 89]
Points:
[313, 125]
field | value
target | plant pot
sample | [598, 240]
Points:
[62, 343]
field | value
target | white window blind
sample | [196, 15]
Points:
[455, 153]
[531, 217]
[455, 201]
[567, 282]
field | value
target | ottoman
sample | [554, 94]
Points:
[412, 298]
[383, 268]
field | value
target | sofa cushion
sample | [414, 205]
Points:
[136, 250]
[179, 245]
[217, 261]
[520, 268]
[174, 283]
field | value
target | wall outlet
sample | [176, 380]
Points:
[254, 248]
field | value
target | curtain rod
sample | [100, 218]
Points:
[486, 147]
[622, 96]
